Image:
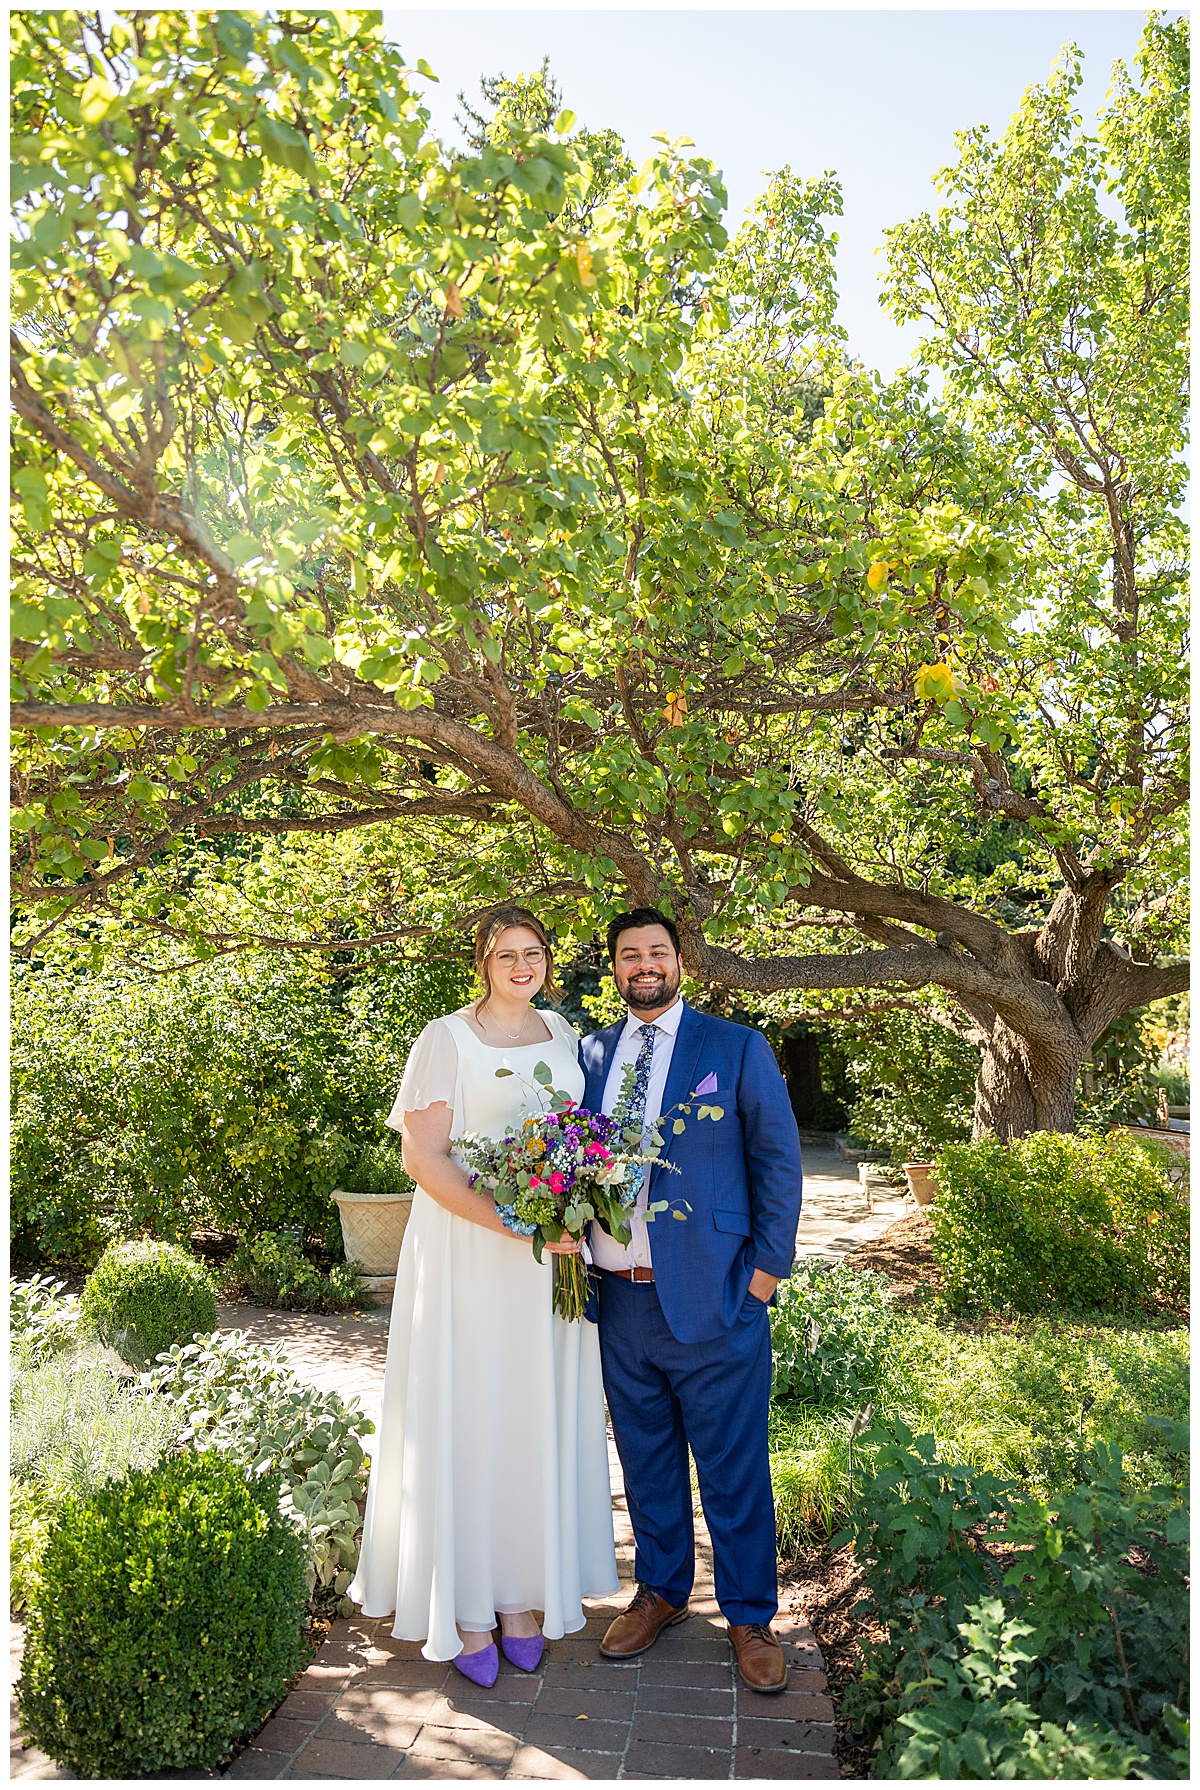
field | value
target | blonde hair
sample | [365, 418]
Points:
[489, 930]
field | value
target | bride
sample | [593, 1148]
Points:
[489, 1493]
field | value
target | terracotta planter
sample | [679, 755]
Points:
[922, 1181]
[373, 1226]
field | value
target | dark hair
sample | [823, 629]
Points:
[641, 916]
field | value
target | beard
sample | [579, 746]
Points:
[649, 993]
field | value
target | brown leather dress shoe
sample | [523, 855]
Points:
[760, 1658]
[638, 1625]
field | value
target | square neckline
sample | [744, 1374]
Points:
[538, 1043]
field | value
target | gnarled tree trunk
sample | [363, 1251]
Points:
[1021, 1088]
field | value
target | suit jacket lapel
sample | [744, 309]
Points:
[683, 1073]
[609, 1036]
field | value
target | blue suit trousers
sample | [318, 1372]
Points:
[664, 1396]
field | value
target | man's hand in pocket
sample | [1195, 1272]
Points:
[763, 1285]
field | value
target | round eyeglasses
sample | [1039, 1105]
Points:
[508, 960]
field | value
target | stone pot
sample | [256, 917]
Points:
[373, 1226]
[922, 1181]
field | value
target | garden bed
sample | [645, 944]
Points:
[904, 1252]
[918, 1425]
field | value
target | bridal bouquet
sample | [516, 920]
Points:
[565, 1166]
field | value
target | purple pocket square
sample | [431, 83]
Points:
[707, 1086]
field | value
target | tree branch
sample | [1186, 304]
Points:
[1033, 1008]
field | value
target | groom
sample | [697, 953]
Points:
[685, 1339]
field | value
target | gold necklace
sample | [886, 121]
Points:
[511, 1036]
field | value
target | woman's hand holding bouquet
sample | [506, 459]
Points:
[564, 1167]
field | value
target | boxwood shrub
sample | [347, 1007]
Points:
[167, 1621]
[1057, 1222]
[142, 1297]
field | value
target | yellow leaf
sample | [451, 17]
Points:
[878, 575]
[935, 683]
[95, 97]
[776, 838]
[438, 474]
[453, 300]
[583, 258]
[676, 708]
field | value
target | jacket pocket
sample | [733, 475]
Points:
[737, 1223]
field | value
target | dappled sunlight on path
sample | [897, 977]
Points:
[836, 1216]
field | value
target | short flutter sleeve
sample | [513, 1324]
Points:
[430, 1074]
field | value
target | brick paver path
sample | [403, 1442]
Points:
[371, 1707]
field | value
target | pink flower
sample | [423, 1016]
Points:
[598, 1151]
[556, 1183]
[535, 1180]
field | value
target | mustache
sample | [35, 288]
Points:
[652, 988]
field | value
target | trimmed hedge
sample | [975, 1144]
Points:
[231, 1097]
[167, 1620]
[1057, 1222]
[143, 1297]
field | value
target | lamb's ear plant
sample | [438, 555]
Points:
[247, 1403]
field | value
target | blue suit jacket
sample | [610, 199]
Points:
[740, 1174]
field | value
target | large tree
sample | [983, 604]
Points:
[497, 496]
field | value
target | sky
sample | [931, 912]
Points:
[874, 96]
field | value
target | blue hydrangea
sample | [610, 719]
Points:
[516, 1225]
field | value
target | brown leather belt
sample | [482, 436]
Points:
[631, 1273]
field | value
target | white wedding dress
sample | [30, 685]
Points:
[489, 1487]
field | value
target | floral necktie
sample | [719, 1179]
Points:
[637, 1103]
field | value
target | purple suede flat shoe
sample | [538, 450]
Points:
[482, 1667]
[523, 1651]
